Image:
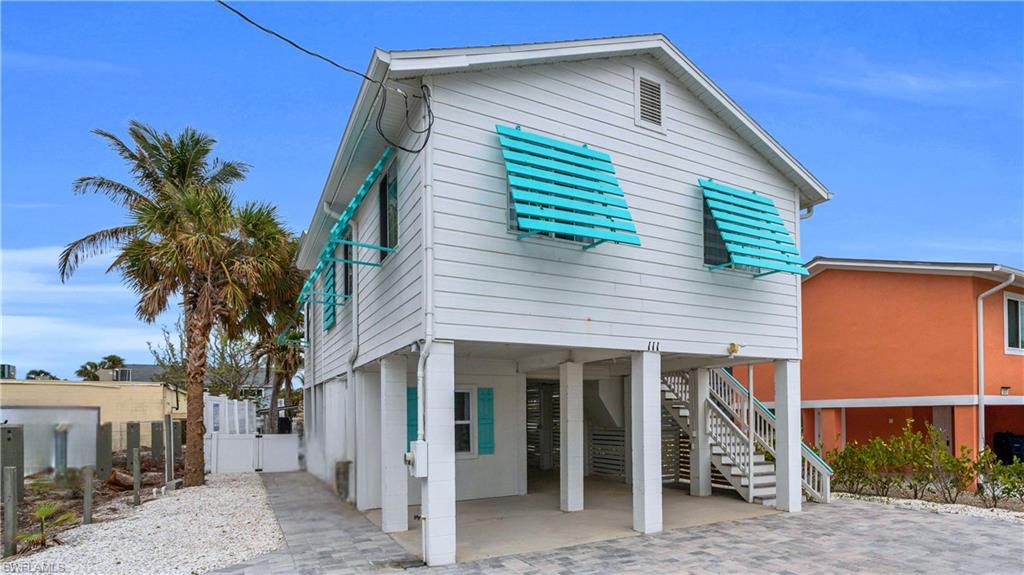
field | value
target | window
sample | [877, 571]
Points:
[387, 188]
[714, 246]
[122, 374]
[648, 102]
[1014, 323]
[346, 254]
[463, 421]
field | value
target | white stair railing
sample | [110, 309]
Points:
[730, 438]
[679, 385]
[815, 474]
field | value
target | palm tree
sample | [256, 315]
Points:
[40, 374]
[111, 362]
[89, 371]
[279, 343]
[186, 238]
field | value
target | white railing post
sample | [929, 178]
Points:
[750, 430]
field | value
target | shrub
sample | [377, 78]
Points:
[884, 465]
[848, 468]
[919, 454]
[1012, 479]
[954, 473]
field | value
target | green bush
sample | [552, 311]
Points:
[954, 474]
[1012, 479]
[849, 470]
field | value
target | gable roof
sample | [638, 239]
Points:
[994, 272]
[407, 64]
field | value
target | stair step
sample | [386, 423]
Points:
[759, 469]
[768, 491]
[767, 502]
[760, 481]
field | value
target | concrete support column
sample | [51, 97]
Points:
[645, 394]
[393, 423]
[700, 444]
[788, 487]
[831, 429]
[367, 461]
[437, 491]
[965, 428]
[627, 421]
[570, 408]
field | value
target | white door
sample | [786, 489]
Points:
[942, 418]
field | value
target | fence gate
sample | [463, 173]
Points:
[235, 453]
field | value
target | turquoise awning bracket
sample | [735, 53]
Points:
[564, 189]
[336, 236]
[751, 229]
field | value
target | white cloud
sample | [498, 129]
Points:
[33, 62]
[50, 325]
[853, 70]
[60, 345]
[30, 275]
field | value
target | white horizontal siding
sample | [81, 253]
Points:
[492, 287]
[390, 296]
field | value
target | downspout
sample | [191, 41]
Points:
[807, 214]
[428, 283]
[981, 357]
[350, 371]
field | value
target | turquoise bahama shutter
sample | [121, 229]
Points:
[485, 420]
[411, 428]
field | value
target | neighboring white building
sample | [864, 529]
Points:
[576, 252]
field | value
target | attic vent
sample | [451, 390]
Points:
[650, 101]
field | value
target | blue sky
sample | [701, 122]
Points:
[910, 113]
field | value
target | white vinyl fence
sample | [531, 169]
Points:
[234, 453]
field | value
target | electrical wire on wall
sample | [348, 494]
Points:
[383, 88]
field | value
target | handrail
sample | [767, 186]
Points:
[768, 413]
[736, 449]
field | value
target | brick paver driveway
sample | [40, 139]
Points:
[324, 535]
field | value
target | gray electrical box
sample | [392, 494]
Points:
[157, 441]
[132, 439]
[12, 454]
[104, 451]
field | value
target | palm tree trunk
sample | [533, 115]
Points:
[272, 414]
[197, 330]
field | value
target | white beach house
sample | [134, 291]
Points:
[546, 257]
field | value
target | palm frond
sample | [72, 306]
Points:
[91, 245]
[116, 191]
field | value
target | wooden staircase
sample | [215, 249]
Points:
[741, 432]
[726, 472]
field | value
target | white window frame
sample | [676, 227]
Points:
[1018, 297]
[648, 75]
[473, 453]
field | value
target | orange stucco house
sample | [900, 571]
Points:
[887, 341]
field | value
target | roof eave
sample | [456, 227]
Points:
[820, 264]
[431, 62]
[313, 237]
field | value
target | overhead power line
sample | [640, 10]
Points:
[424, 91]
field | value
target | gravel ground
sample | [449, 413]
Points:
[955, 509]
[192, 530]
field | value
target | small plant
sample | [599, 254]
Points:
[43, 513]
[849, 468]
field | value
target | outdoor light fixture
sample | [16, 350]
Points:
[1005, 390]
